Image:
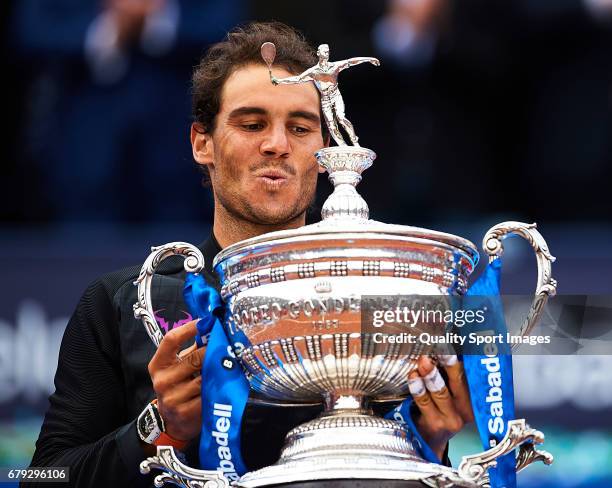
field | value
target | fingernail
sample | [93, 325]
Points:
[434, 381]
[416, 386]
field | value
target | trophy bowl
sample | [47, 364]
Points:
[295, 298]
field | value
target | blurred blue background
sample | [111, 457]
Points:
[482, 111]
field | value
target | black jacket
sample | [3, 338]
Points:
[102, 384]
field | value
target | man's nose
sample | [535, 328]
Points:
[276, 142]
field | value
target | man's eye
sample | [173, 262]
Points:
[252, 127]
[301, 130]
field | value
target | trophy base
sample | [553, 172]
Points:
[340, 471]
[342, 448]
[352, 483]
[355, 464]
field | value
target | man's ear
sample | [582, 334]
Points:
[202, 145]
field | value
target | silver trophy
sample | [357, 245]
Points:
[296, 296]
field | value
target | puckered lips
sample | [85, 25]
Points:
[272, 178]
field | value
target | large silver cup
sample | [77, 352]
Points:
[294, 309]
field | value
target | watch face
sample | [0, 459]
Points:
[147, 425]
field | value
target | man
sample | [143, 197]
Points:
[257, 143]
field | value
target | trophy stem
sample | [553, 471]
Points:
[345, 165]
[345, 404]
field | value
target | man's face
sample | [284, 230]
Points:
[261, 152]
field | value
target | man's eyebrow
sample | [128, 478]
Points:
[304, 114]
[238, 112]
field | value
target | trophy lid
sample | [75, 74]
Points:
[347, 228]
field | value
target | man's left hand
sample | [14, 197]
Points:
[444, 409]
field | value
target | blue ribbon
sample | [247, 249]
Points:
[489, 379]
[225, 389]
[488, 370]
[402, 415]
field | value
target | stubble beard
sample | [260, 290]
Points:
[242, 209]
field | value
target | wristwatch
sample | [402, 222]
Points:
[151, 428]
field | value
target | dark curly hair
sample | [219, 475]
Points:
[241, 47]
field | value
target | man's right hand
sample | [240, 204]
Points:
[178, 392]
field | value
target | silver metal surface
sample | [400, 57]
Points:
[546, 287]
[366, 454]
[143, 308]
[297, 300]
[518, 433]
[345, 165]
[324, 75]
[177, 473]
[356, 448]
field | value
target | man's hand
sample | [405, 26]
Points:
[444, 409]
[375, 62]
[178, 391]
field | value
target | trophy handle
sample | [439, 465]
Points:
[546, 286]
[473, 469]
[475, 466]
[143, 308]
[180, 474]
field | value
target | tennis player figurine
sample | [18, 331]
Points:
[324, 74]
